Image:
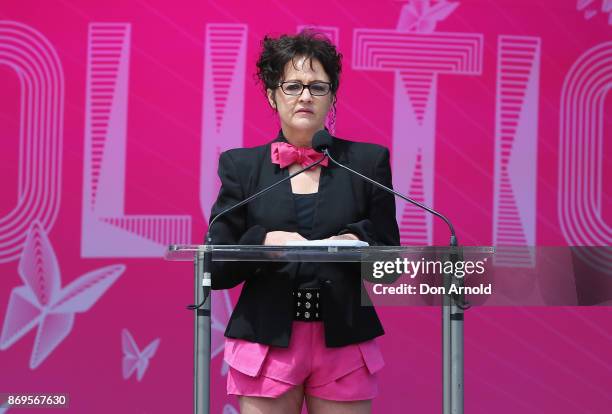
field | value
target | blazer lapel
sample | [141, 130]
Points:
[285, 193]
[278, 203]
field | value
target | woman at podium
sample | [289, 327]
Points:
[299, 331]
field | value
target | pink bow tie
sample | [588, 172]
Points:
[285, 154]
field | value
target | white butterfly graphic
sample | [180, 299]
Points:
[422, 16]
[589, 12]
[42, 302]
[220, 314]
[133, 358]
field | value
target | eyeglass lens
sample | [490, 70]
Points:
[296, 88]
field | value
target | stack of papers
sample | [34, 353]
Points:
[328, 243]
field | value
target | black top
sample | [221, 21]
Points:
[305, 205]
[345, 204]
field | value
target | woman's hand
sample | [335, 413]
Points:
[280, 238]
[347, 236]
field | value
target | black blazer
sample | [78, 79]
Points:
[346, 203]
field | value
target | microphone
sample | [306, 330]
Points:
[322, 141]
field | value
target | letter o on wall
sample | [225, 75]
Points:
[580, 199]
[41, 78]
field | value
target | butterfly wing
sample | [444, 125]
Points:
[440, 10]
[433, 14]
[408, 18]
[81, 294]
[224, 368]
[38, 267]
[142, 366]
[128, 366]
[131, 354]
[420, 6]
[426, 26]
[51, 332]
[581, 4]
[144, 358]
[22, 314]
[150, 350]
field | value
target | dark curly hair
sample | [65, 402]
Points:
[276, 52]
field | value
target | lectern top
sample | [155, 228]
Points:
[330, 253]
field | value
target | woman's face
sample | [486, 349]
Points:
[304, 114]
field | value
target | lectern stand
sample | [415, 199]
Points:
[451, 310]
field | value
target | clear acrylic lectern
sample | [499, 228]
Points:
[452, 311]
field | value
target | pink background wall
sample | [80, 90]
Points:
[111, 119]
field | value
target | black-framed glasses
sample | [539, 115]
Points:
[295, 88]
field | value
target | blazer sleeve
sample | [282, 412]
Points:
[380, 227]
[231, 228]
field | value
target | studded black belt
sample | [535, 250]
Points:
[307, 306]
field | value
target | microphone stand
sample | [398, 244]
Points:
[203, 272]
[453, 307]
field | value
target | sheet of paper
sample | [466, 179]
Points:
[329, 243]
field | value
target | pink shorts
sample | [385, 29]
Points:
[339, 374]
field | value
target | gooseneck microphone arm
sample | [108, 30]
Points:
[453, 305]
[453, 238]
[207, 261]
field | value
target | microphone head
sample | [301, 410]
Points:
[321, 140]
